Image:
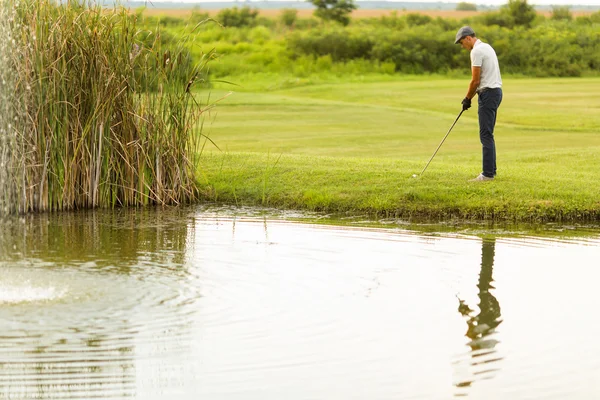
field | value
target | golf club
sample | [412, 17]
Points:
[442, 142]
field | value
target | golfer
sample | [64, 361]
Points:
[487, 83]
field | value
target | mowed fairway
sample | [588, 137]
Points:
[361, 143]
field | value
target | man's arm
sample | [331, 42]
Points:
[474, 84]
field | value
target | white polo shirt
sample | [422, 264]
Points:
[484, 56]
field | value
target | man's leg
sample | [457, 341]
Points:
[489, 101]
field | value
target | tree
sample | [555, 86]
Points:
[563, 13]
[334, 10]
[289, 16]
[236, 17]
[463, 6]
[521, 13]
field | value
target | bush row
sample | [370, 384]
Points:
[555, 48]
[411, 43]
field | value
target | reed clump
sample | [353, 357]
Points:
[99, 113]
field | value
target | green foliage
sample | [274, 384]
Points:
[259, 35]
[307, 23]
[416, 19]
[520, 12]
[411, 43]
[561, 13]
[237, 17]
[392, 21]
[419, 50]
[165, 37]
[447, 24]
[593, 18]
[198, 16]
[495, 18]
[464, 6]
[167, 21]
[334, 10]
[516, 13]
[288, 17]
[340, 43]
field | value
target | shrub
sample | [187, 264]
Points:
[419, 50]
[168, 21]
[497, 18]
[334, 10]
[415, 19]
[198, 16]
[306, 23]
[236, 17]
[339, 43]
[561, 13]
[463, 6]
[393, 21]
[288, 17]
[259, 34]
[520, 12]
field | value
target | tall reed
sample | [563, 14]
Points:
[101, 114]
[9, 159]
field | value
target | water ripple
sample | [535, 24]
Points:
[169, 305]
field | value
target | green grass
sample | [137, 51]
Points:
[353, 147]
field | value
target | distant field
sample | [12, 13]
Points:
[361, 13]
[304, 13]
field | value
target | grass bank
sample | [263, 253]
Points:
[353, 147]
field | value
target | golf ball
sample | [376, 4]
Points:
[414, 175]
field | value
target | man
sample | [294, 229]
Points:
[487, 83]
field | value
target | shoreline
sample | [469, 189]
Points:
[382, 188]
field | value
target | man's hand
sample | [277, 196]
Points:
[466, 103]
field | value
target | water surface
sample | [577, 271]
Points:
[233, 304]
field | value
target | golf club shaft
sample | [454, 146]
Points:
[442, 142]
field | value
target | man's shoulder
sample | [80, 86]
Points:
[483, 47]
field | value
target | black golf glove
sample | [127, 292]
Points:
[466, 103]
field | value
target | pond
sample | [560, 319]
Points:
[220, 303]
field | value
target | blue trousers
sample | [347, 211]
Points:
[489, 101]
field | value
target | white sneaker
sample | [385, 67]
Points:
[481, 177]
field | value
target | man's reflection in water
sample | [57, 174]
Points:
[481, 326]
